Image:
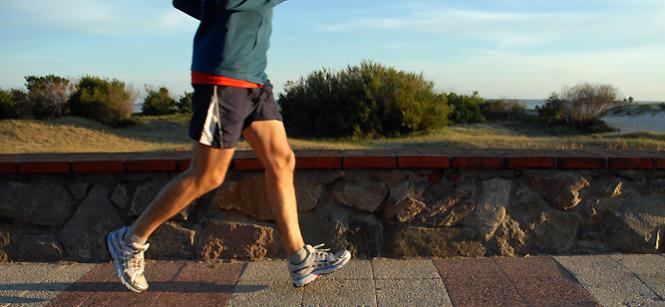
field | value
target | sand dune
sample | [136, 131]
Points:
[650, 121]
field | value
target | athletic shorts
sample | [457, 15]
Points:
[221, 113]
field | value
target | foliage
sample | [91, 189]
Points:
[158, 103]
[582, 106]
[503, 109]
[367, 100]
[466, 109]
[552, 112]
[8, 107]
[585, 103]
[48, 96]
[106, 101]
[184, 103]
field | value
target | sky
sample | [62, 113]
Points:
[522, 49]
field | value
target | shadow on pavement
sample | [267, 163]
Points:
[166, 286]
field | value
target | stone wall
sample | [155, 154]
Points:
[394, 212]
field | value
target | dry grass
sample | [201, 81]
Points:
[166, 133]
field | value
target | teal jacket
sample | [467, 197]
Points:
[233, 37]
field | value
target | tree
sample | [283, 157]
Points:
[158, 102]
[48, 96]
[8, 108]
[184, 104]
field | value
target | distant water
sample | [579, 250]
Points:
[533, 103]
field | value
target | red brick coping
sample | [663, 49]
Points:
[336, 159]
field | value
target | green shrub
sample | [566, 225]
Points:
[503, 109]
[184, 104]
[107, 101]
[552, 112]
[8, 107]
[158, 103]
[48, 96]
[466, 109]
[367, 100]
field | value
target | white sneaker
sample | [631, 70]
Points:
[128, 260]
[317, 262]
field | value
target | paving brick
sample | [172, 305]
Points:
[203, 284]
[581, 163]
[159, 276]
[631, 163]
[541, 282]
[19, 279]
[411, 292]
[43, 167]
[156, 165]
[477, 282]
[8, 168]
[476, 162]
[531, 162]
[96, 279]
[648, 268]
[423, 162]
[266, 283]
[608, 282]
[402, 269]
[98, 167]
[339, 292]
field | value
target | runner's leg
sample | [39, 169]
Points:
[269, 142]
[207, 171]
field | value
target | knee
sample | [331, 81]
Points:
[282, 162]
[206, 182]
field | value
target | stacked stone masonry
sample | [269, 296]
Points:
[374, 204]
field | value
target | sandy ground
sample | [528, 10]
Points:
[653, 121]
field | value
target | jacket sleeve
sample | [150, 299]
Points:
[193, 8]
[247, 5]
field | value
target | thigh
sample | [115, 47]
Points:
[268, 140]
[210, 162]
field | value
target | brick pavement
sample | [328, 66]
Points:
[604, 280]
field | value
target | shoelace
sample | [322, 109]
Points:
[320, 253]
[136, 260]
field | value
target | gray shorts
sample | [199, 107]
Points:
[221, 113]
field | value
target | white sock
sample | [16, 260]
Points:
[131, 238]
[298, 256]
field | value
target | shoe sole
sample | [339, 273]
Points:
[316, 274]
[110, 250]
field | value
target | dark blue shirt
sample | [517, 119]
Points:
[233, 37]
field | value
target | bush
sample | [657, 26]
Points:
[8, 107]
[585, 103]
[106, 101]
[158, 103]
[48, 96]
[184, 104]
[503, 109]
[552, 112]
[466, 109]
[368, 100]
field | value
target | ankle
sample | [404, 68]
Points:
[298, 256]
[130, 237]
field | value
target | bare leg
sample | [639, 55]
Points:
[269, 142]
[206, 172]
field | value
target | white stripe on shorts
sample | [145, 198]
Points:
[212, 121]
